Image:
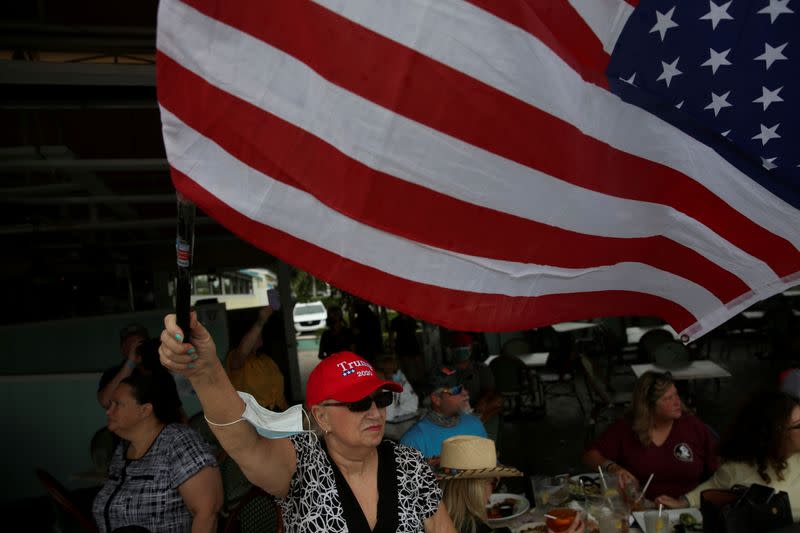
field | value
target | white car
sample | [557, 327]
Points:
[309, 317]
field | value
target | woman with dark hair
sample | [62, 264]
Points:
[762, 446]
[658, 437]
[162, 475]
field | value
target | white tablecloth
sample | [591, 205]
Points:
[696, 370]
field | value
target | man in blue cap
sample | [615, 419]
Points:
[448, 416]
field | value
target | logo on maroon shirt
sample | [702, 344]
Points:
[683, 453]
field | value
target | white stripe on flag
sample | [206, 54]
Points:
[295, 212]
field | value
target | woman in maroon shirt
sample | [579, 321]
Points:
[659, 437]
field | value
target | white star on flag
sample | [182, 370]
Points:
[768, 163]
[767, 134]
[630, 80]
[775, 9]
[718, 102]
[771, 54]
[767, 97]
[717, 13]
[670, 71]
[716, 60]
[663, 23]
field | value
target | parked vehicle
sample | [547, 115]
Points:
[309, 316]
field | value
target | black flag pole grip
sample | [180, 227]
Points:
[184, 249]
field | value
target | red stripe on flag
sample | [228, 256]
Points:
[417, 87]
[450, 308]
[382, 201]
[582, 51]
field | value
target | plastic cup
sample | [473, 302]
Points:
[562, 518]
[611, 515]
[547, 491]
[654, 523]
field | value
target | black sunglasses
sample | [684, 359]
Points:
[452, 391]
[382, 399]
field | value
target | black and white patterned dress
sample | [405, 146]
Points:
[144, 492]
[314, 502]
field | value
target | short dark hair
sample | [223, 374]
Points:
[757, 433]
[157, 389]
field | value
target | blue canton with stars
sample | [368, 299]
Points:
[348, 372]
[725, 72]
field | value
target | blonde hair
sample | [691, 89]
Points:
[465, 500]
[649, 388]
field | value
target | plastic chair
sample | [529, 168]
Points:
[511, 377]
[605, 401]
[256, 512]
[64, 500]
[650, 341]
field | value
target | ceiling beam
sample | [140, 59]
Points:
[49, 188]
[98, 39]
[87, 200]
[96, 165]
[22, 229]
[92, 74]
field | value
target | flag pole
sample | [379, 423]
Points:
[184, 250]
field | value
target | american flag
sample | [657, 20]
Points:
[498, 165]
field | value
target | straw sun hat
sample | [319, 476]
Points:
[468, 457]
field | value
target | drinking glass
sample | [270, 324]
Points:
[560, 518]
[611, 513]
[549, 491]
[653, 523]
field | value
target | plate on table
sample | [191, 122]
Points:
[591, 485]
[531, 527]
[504, 506]
[673, 515]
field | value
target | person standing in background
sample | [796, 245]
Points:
[367, 331]
[338, 337]
[253, 371]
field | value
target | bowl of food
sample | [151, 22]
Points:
[531, 527]
[503, 506]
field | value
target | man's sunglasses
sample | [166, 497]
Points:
[453, 391]
[382, 399]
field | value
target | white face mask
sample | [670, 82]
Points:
[270, 424]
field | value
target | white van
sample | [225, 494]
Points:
[309, 316]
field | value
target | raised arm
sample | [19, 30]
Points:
[267, 463]
[132, 359]
[250, 339]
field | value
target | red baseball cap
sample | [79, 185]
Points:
[344, 377]
[460, 338]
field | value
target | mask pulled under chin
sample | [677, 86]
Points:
[270, 424]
